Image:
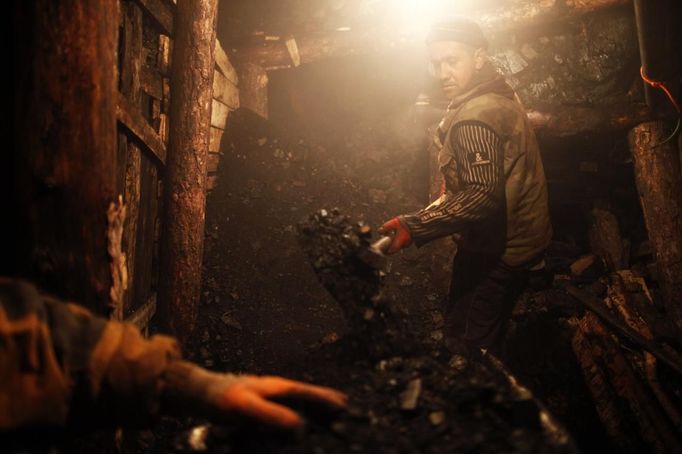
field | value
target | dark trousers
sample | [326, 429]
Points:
[483, 292]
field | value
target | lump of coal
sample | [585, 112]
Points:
[340, 253]
[335, 247]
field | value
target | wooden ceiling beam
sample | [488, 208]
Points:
[273, 54]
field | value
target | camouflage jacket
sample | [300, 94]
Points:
[60, 365]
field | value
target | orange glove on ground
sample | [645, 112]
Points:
[401, 234]
[249, 395]
[192, 389]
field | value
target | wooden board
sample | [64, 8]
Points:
[224, 65]
[215, 140]
[219, 113]
[142, 315]
[131, 198]
[225, 91]
[162, 13]
[131, 51]
[65, 153]
[144, 254]
[135, 122]
[151, 82]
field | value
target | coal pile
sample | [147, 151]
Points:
[436, 403]
[339, 252]
[404, 396]
[346, 265]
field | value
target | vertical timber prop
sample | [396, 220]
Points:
[655, 155]
[659, 183]
[185, 194]
[65, 144]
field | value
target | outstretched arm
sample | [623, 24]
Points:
[61, 365]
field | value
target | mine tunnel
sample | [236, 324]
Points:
[194, 193]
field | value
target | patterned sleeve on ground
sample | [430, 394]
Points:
[480, 158]
[62, 365]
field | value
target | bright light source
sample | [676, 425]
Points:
[416, 16]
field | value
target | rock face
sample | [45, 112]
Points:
[592, 61]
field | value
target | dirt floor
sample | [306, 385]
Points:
[265, 312]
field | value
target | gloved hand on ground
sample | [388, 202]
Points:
[227, 396]
[401, 234]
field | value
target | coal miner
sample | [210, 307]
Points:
[494, 199]
[60, 366]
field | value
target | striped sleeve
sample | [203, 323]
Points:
[480, 161]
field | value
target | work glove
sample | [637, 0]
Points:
[225, 397]
[401, 234]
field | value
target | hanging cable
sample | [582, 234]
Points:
[661, 85]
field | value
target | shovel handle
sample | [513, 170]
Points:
[381, 245]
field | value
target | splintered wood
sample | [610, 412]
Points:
[624, 384]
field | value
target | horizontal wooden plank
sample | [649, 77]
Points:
[219, 113]
[215, 139]
[225, 91]
[213, 162]
[162, 12]
[151, 82]
[144, 314]
[135, 123]
[224, 65]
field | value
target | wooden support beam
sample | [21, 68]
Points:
[182, 241]
[225, 91]
[215, 140]
[65, 144]
[623, 402]
[605, 239]
[132, 194]
[162, 13]
[253, 88]
[130, 50]
[151, 82]
[380, 39]
[135, 122]
[567, 121]
[659, 183]
[143, 314]
[219, 113]
[224, 65]
[600, 309]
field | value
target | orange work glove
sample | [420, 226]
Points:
[192, 389]
[401, 234]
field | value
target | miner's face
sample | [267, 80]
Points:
[454, 64]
